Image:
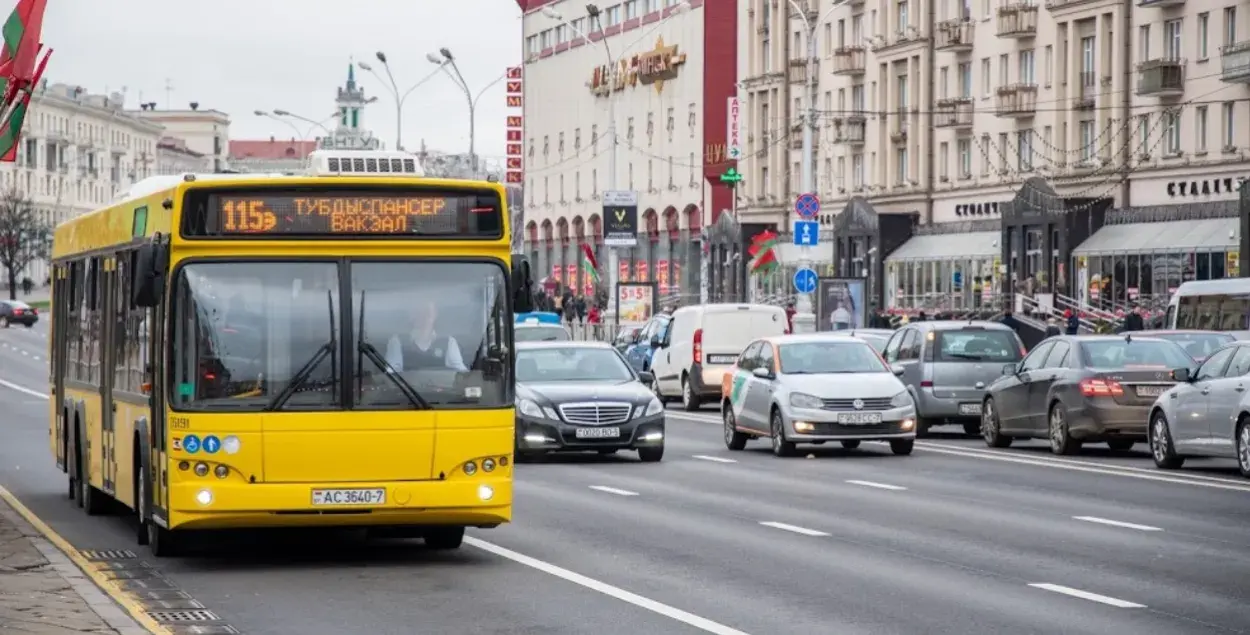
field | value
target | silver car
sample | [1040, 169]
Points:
[1207, 414]
[813, 389]
[947, 366]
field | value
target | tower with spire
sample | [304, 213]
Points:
[350, 132]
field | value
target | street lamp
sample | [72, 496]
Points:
[594, 13]
[445, 59]
[313, 122]
[394, 88]
[278, 115]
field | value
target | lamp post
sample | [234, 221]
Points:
[278, 115]
[445, 59]
[594, 13]
[394, 88]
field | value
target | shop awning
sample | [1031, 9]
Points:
[1207, 235]
[948, 247]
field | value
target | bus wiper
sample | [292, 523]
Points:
[301, 376]
[371, 352]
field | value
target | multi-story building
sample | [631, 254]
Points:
[204, 131]
[659, 67]
[982, 146]
[77, 151]
[174, 157]
[270, 155]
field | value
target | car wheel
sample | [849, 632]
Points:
[689, 400]
[734, 440]
[850, 445]
[1161, 447]
[781, 447]
[991, 427]
[1243, 447]
[902, 447]
[1120, 445]
[651, 454]
[1061, 441]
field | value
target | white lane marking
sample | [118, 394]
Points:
[25, 353]
[22, 389]
[1116, 523]
[35, 357]
[893, 488]
[793, 528]
[938, 447]
[714, 459]
[613, 490]
[1086, 595]
[701, 623]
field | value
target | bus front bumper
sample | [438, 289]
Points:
[477, 502]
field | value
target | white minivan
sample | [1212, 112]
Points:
[703, 342]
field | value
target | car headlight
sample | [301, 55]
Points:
[901, 400]
[529, 409]
[653, 408]
[801, 400]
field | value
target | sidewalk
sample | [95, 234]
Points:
[43, 593]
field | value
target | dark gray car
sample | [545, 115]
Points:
[1079, 389]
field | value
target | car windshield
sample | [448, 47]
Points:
[268, 335]
[965, 345]
[1128, 354]
[848, 356]
[571, 363]
[541, 334]
[1197, 345]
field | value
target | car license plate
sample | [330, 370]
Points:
[858, 418]
[1150, 391]
[969, 408]
[722, 359]
[597, 433]
[349, 496]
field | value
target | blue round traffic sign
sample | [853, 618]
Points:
[191, 444]
[807, 205]
[805, 280]
[211, 444]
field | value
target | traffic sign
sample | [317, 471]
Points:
[212, 444]
[806, 233]
[807, 205]
[191, 444]
[805, 280]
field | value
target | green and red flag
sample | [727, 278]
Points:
[589, 264]
[21, 68]
[763, 252]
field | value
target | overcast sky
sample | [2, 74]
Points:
[239, 56]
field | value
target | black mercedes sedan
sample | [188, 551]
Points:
[584, 397]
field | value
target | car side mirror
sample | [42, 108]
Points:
[1182, 375]
[762, 373]
[646, 377]
[1011, 369]
[897, 370]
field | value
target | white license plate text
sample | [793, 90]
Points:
[858, 418]
[349, 496]
[969, 408]
[597, 433]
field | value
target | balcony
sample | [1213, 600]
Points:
[1151, 4]
[849, 60]
[1016, 100]
[850, 130]
[1161, 78]
[798, 71]
[953, 113]
[1235, 62]
[1086, 91]
[955, 35]
[1017, 20]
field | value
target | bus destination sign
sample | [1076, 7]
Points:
[442, 214]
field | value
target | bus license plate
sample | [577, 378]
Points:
[969, 408]
[1149, 391]
[349, 497]
[598, 433]
[858, 418]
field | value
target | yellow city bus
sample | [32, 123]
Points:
[324, 349]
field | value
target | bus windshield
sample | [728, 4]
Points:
[270, 335]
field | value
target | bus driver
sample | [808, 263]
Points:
[422, 348]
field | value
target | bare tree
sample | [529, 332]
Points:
[24, 238]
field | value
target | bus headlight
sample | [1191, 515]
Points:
[485, 492]
[488, 465]
[201, 469]
[470, 468]
[204, 497]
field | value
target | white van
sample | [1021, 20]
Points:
[703, 342]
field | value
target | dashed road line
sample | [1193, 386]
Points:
[613, 490]
[1086, 595]
[793, 528]
[886, 486]
[22, 389]
[714, 459]
[1116, 523]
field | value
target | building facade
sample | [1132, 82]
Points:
[659, 68]
[78, 150]
[970, 148]
[174, 157]
[203, 131]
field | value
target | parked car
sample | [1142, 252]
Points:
[1207, 413]
[639, 353]
[18, 312]
[1198, 344]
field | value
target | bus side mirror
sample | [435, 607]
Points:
[151, 263]
[522, 285]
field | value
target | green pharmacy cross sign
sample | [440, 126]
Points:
[731, 177]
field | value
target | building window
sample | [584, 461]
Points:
[857, 171]
[631, 9]
[1172, 133]
[1230, 26]
[902, 15]
[1204, 27]
[1172, 40]
[943, 158]
[1143, 42]
[1086, 131]
[1227, 119]
[985, 77]
[1004, 75]
[1024, 150]
[901, 156]
[1026, 67]
[1200, 129]
[1143, 135]
[965, 79]
[964, 148]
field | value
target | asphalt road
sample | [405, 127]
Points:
[956, 538]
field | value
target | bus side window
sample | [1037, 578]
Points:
[1187, 312]
[1170, 320]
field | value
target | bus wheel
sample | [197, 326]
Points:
[443, 538]
[141, 504]
[162, 542]
[89, 498]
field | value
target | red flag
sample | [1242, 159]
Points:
[20, 70]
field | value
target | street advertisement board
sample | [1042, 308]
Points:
[635, 301]
[840, 304]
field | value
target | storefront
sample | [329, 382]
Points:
[1040, 231]
[951, 266]
[864, 240]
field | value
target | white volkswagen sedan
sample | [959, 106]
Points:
[813, 389]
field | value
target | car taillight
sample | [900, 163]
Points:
[1101, 388]
[926, 383]
[698, 346]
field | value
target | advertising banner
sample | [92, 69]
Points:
[620, 218]
[635, 301]
[840, 304]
